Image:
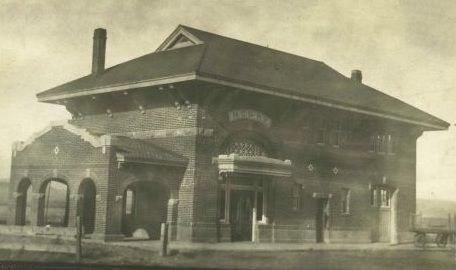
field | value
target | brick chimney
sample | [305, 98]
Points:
[357, 75]
[99, 51]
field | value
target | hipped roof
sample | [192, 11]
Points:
[221, 59]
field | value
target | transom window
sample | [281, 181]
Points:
[380, 197]
[245, 147]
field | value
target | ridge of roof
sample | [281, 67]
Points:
[192, 29]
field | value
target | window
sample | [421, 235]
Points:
[372, 145]
[320, 132]
[336, 133]
[383, 144]
[306, 130]
[373, 197]
[384, 198]
[380, 196]
[392, 144]
[130, 202]
[345, 203]
[297, 196]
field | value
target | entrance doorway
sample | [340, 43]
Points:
[22, 204]
[384, 221]
[384, 225]
[242, 203]
[241, 197]
[53, 207]
[87, 205]
[145, 207]
[321, 219]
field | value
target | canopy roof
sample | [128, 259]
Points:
[139, 151]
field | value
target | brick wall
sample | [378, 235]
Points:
[194, 189]
[357, 170]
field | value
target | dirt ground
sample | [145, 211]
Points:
[265, 259]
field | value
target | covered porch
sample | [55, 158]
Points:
[245, 197]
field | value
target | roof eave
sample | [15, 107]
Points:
[117, 87]
[264, 90]
[225, 82]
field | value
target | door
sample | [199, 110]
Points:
[384, 219]
[321, 219]
[384, 222]
[241, 209]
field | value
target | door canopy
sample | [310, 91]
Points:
[259, 165]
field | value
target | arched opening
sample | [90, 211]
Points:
[53, 207]
[23, 192]
[86, 205]
[144, 209]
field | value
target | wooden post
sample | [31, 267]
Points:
[164, 239]
[273, 232]
[454, 234]
[254, 225]
[78, 239]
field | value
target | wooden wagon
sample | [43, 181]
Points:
[441, 231]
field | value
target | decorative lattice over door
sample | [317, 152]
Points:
[245, 147]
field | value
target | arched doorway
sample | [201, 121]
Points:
[22, 209]
[53, 207]
[87, 204]
[144, 208]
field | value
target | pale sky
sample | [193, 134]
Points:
[404, 48]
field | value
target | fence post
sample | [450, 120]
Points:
[78, 239]
[164, 239]
[254, 225]
[454, 234]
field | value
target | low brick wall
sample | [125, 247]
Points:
[34, 231]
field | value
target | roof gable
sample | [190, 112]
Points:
[178, 39]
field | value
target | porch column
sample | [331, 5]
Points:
[16, 207]
[73, 211]
[37, 209]
[394, 236]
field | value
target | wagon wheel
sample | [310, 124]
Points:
[420, 240]
[441, 239]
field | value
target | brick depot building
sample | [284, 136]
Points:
[225, 141]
